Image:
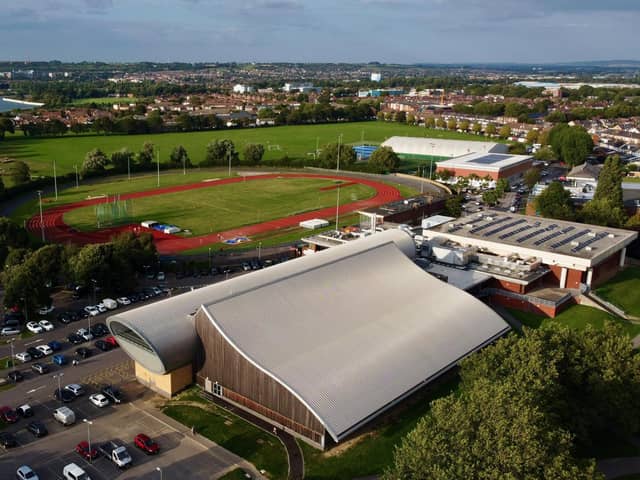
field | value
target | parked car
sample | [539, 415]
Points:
[112, 393]
[246, 267]
[86, 452]
[46, 325]
[46, 310]
[116, 453]
[74, 472]
[110, 303]
[85, 334]
[35, 353]
[25, 472]
[65, 416]
[33, 327]
[102, 345]
[99, 400]
[25, 411]
[8, 440]
[75, 339]
[144, 443]
[98, 330]
[161, 277]
[60, 359]
[102, 308]
[45, 349]
[111, 340]
[15, 376]
[37, 428]
[8, 414]
[64, 396]
[24, 357]
[64, 318]
[123, 301]
[83, 352]
[76, 389]
[92, 310]
[6, 331]
[40, 368]
[55, 345]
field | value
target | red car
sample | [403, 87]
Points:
[8, 414]
[145, 444]
[111, 341]
[88, 454]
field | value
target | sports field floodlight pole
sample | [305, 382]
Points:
[158, 162]
[76, 169]
[159, 470]
[59, 376]
[259, 250]
[339, 145]
[89, 423]
[41, 219]
[209, 259]
[13, 357]
[337, 207]
[128, 167]
[55, 179]
[229, 154]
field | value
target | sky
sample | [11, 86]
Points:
[388, 31]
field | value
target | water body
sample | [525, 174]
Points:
[6, 106]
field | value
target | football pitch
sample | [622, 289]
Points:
[224, 207]
[297, 141]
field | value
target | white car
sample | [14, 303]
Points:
[99, 400]
[102, 307]
[46, 324]
[46, 310]
[85, 334]
[161, 276]
[123, 301]
[33, 327]
[9, 331]
[26, 473]
[45, 349]
[23, 357]
[76, 389]
[92, 310]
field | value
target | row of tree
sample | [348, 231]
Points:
[529, 408]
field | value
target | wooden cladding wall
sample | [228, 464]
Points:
[220, 362]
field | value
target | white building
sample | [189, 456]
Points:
[242, 89]
[376, 76]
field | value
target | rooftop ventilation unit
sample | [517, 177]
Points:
[611, 235]
[574, 243]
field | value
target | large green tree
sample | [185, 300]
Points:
[331, 152]
[610, 181]
[572, 145]
[122, 160]
[555, 202]
[95, 163]
[6, 125]
[218, 153]
[179, 158]
[253, 154]
[531, 177]
[384, 159]
[146, 156]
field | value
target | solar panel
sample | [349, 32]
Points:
[489, 159]
[515, 232]
[490, 224]
[555, 234]
[531, 235]
[588, 242]
[571, 238]
[503, 227]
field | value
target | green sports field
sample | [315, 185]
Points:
[294, 141]
[224, 207]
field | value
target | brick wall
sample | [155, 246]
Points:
[605, 270]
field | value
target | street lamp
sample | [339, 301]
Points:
[76, 169]
[13, 357]
[55, 179]
[339, 148]
[209, 259]
[41, 220]
[89, 423]
[259, 250]
[159, 470]
[59, 376]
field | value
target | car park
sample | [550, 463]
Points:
[92, 310]
[15, 376]
[83, 352]
[118, 454]
[8, 440]
[102, 345]
[45, 349]
[35, 353]
[124, 301]
[85, 334]
[74, 472]
[25, 472]
[99, 400]
[60, 359]
[37, 428]
[23, 357]
[64, 396]
[65, 416]
[25, 411]
[33, 327]
[112, 393]
[86, 452]
[75, 339]
[6, 331]
[46, 325]
[76, 389]
[8, 414]
[144, 443]
[40, 368]
[55, 345]
[46, 310]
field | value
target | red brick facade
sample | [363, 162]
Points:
[574, 277]
[505, 173]
[605, 270]
[525, 306]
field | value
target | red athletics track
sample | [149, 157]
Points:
[58, 231]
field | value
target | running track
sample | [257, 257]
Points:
[58, 231]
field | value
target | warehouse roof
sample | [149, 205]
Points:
[489, 162]
[349, 331]
[441, 148]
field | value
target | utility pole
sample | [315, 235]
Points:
[128, 167]
[76, 169]
[55, 179]
[339, 148]
[41, 219]
[338, 208]
[158, 161]
[229, 155]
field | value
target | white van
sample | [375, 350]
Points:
[65, 416]
[74, 472]
[110, 303]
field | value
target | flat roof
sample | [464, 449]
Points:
[438, 147]
[542, 237]
[490, 162]
[464, 279]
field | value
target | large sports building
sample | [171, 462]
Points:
[319, 345]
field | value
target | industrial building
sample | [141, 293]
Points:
[319, 345]
[529, 260]
[494, 165]
[434, 148]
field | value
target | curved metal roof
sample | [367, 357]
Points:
[349, 331]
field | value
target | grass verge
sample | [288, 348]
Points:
[622, 290]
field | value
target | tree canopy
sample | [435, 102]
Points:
[219, 152]
[253, 154]
[384, 159]
[555, 202]
[94, 163]
[179, 158]
[572, 145]
[331, 152]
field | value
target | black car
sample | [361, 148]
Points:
[112, 393]
[25, 411]
[64, 318]
[75, 339]
[35, 353]
[99, 330]
[65, 395]
[40, 368]
[102, 345]
[83, 352]
[81, 314]
[38, 429]
[7, 440]
[15, 376]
